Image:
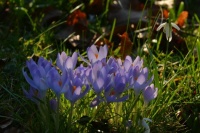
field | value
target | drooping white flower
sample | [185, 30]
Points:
[144, 123]
[167, 29]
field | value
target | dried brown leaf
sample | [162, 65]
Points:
[125, 44]
[182, 18]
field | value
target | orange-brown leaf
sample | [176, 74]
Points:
[77, 17]
[182, 18]
[165, 13]
[126, 45]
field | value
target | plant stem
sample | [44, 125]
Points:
[165, 62]
[57, 120]
[70, 118]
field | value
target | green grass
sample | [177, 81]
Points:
[176, 75]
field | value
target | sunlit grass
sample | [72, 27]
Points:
[176, 75]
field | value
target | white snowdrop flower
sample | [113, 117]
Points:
[167, 29]
[144, 123]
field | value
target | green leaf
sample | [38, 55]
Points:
[180, 9]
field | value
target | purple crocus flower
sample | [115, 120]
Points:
[99, 85]
[61, 58]
[130, 64]
[150, 93]
[75, 90]
[95, 55]
[139, 79]
[34, 94]
[114, 90]
[113, 65]
[38, 73]
[66, 62]
[97, 76]
[80, 71]
[57, 82]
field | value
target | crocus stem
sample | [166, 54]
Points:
[132, 106]
[70, 118]
[45, 117]
[57, 121]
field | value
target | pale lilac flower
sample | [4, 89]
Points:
[130, 64]
[139, 79]
[113, 65]
[61, 58]
[38, 73]
[95, 55]
[167, 29]
[34, 94]
[80, 71]
[115, 88]
[75, 90]
[97, 76]
[66, 62]
[57, 82]
[150, 93]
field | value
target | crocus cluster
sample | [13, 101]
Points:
[109, 78]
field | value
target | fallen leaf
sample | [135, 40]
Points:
[77, 18]
[182, 18]
[165, 13]
[125, 44]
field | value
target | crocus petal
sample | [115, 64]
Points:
[92, 53]
[61, 59]
[141, 79]
[69, 63]
[74, 58]
[103, 52]
[84, 92]
[160, 26]
[150, 93]
[29, 80]
[76, 93]
[98, 84]
[127, 64]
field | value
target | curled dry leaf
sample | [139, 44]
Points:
[77, 17]
[182, 18]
